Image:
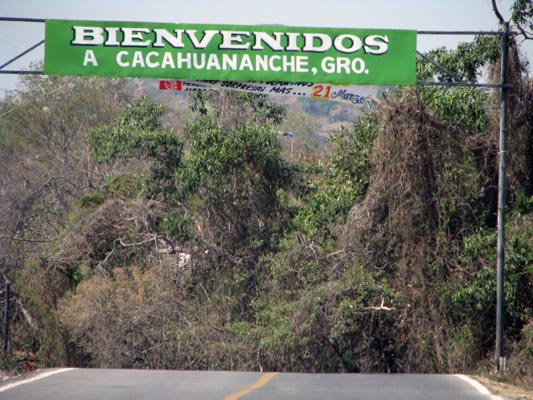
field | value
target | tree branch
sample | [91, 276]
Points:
[27, 315]
[527, 35]
[152, 239]
[381, 307]
[26, 240]
[497, 12]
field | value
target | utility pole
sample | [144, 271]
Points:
[6, 317]
[501, 364]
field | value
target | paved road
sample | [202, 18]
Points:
[101, 384]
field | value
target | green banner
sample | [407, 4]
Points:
[230, 52]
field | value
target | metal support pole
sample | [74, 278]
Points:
[473, 33]
[6, 317]
[21, 54]
[500, 301]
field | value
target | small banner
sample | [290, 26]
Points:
[230, 52]
[353, 94]
[170, 85]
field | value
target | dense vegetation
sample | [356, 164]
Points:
[135, 244]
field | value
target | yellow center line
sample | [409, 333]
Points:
[256, 385]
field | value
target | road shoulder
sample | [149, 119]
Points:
[31, 377]
[505, 390]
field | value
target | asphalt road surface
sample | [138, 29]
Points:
[102, 384]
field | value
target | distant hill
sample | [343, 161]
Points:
[312, 121]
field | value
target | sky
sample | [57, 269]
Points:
[393, 14]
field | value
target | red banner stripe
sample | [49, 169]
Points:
[170, 85]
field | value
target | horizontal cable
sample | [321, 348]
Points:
[15, 19]
[466, 84]
[20, 72]
[41, 20]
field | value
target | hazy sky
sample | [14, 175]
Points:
[400, 14]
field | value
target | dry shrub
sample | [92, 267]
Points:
[119, 321]
[138, 318]
[116, 230]
[396, 223]
[417, 205]
[521, 360]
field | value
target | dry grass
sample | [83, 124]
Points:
[505, 389]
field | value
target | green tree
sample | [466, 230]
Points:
[232, 109]
[138, 135]
[47, 166]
